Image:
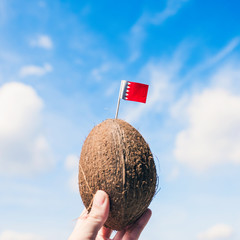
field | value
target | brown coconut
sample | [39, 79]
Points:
[116, 158]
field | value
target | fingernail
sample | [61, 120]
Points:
[99, 198]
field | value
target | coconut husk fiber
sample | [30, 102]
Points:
[116, 158]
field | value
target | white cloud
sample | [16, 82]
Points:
[161, 89]
[173, 175]
[24, 150]
[171, 9]
[12, 235]
[210, 115]
[214, 60]
[136, 37]
[32, 70]
[19, 107]
[225, 51]
[227, 77]
[157, 96]
[217, 232]
[98, 73]
[71, 164]
[42, 41]
[138, 31]
[210, 138]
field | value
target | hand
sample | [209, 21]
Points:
[90, 226]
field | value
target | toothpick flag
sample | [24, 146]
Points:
[132, 91]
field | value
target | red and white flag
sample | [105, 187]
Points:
[133, 91]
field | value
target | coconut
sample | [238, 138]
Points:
[115, 158]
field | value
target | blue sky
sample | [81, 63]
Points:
[61, 63]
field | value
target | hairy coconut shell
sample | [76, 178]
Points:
[116, 158]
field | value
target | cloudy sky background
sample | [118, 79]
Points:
[61, 63]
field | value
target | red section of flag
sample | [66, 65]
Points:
[136, 92]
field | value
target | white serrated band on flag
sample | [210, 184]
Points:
[123, 89]
[122, 93]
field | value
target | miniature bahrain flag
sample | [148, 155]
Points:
[132, 91]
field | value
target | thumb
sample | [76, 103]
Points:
[88, 225]
[98, 215]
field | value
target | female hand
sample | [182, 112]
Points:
[90, 226]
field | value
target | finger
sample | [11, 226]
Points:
[84, 214]
[105, 233]
[80, 219]
[134, 231]
[98, 215]
[88, 225]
